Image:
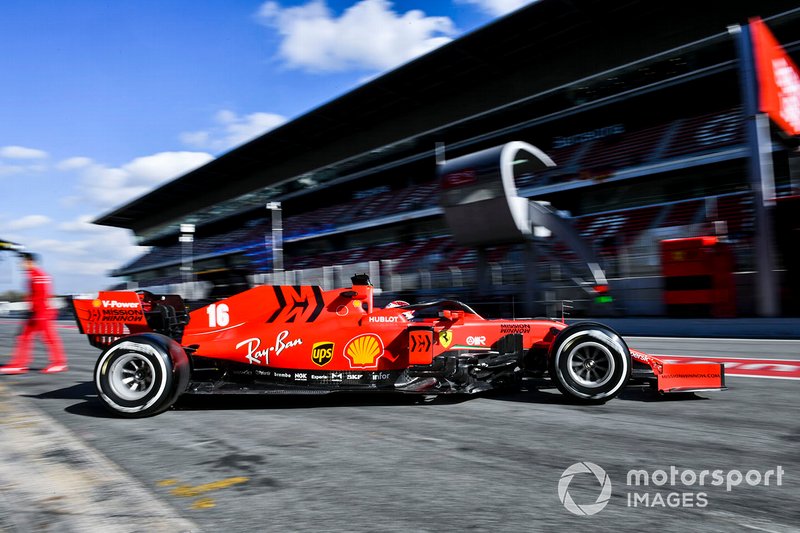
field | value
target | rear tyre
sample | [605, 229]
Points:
[589, 362]
[141, 375]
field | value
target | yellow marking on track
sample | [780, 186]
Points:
[167, 482]
[187, 491]
[204, 503]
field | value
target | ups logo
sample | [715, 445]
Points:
[322, 353]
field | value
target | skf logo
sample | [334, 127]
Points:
[322, 353]
[364, 351]
[445, 338]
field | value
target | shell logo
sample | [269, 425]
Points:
[96, 303]
[364, 351]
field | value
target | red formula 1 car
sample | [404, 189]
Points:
[301, 339]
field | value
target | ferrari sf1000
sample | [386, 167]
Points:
[301, 339]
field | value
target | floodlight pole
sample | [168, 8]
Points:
[187, 243]
[277, 240]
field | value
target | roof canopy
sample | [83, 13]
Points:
[540, 47]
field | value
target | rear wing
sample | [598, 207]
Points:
[115, 314]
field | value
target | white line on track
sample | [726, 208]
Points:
[762, 377]
[726, 357]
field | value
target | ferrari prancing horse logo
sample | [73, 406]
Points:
[445, 338]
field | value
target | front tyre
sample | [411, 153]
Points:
[141, 375]
[589, 362]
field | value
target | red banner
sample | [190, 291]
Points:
[778, 79]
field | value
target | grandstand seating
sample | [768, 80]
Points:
[610, 231]
[625, 150]
[387, 203]
[566, 163]
[612, 234]
[414, 256]
[604, 156]
[707, 132]
[626, 223]
[683, 213]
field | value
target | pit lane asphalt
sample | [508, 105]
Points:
[388, 463]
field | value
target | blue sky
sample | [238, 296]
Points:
[101, 101]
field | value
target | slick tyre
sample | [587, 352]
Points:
[589, 363]
[141, 375]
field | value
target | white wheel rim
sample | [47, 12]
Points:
[131, 376]
[590, 364]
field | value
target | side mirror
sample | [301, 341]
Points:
[453, 316]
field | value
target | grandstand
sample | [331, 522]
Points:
[640, 105]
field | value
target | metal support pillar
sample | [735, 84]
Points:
[762, 180]
[532, 305]
[187, 252]
[277, 242]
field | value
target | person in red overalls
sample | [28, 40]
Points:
[40, 320]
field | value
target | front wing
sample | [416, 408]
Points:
[683, 377]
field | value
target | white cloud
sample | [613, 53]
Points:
[497, 7]
[84, 254]
[21, 152]
[368, 35]
[82, 224]
[106, 186]
[25, 160]
[93, 268]
[74, 162]
[106, 245]
[7, 170]
[78, 254]
[231, 130]
[60, 247]
[27, 222]
[157, 168]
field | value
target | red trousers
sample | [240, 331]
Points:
[44, 326]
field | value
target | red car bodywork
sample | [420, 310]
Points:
[304, 337]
